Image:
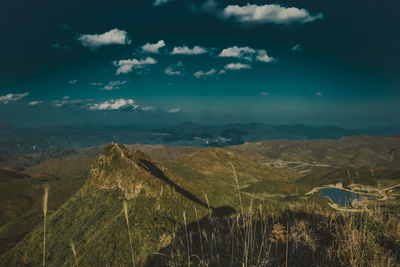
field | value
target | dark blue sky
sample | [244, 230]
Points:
[282, 62]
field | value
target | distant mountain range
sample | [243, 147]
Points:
[16, 140]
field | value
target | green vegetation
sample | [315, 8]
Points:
[212, 207]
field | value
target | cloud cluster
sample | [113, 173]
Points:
[114, 104]
[237, 66]
[176, 69]
[246, 53]
[113, 85]
[147, 108]
[269, 13]
[66, 101]
[94, 41]
[127, 65]
[201, 74]
[263, 56]
[35, 103]
[174, 110]
[184, 50]
[5, 99]
[238, 52]
[153, 48]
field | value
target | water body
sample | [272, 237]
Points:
[341, 197]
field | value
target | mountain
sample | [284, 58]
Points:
[347, 151]
[211, 170]
[24, 140]
[93, 218]
[187, 207]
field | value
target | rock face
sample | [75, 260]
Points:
[130, 172]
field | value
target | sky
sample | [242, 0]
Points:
[159, 62]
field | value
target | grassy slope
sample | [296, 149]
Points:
[20, 205]
[210, 170]
[93, 218]
[348, 151]
[379, 176]
[64, 168]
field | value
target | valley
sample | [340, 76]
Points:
[182, 199]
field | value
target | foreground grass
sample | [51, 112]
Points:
[287, 237]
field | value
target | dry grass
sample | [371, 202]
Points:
[45, 199]
[74, 252]
[125, 208]
[297, 235]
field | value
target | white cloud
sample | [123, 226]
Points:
[73, 81]
[318, 94]
[5, 99]
[222, 72]
[115, 104]
[176, 69]
[263, 56]
[269, 13]
[246, 53]
[113, 85]
[127, 65]
[202, 74]
[147, 108]
[174, 110]
[153, 48]
[95, 84]
[264, 93]
[35, 103]
[160, 2]
[238, 52]
[171, 72]
[94, 41]
[184, 50]
[67, 102]
[237, 66]
[297, 48]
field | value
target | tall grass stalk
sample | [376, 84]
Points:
[237, 186]
[45, 198]
[198, 226]
[187, 239]
[125, 207]
[74, 252]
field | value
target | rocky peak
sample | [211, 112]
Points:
[130, 171]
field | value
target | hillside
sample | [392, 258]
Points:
[211, 170]
[188, 210]
[347, 151]
[93, 218]
[21, 201]
[65, 168]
